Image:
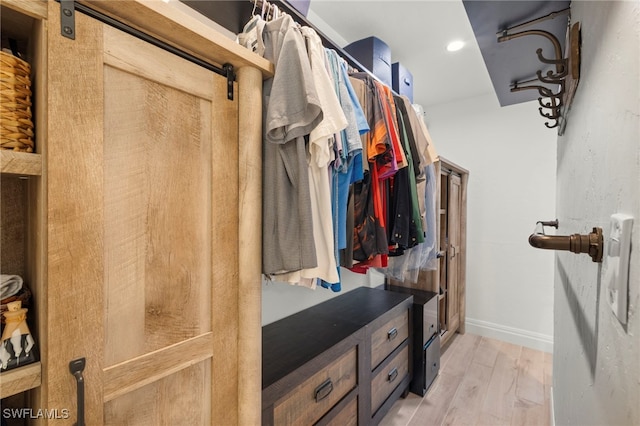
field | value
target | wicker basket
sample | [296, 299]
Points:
[16, 127]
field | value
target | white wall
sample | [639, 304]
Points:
[281, 299]
[325, 28]
[511, 157]
[596, 361]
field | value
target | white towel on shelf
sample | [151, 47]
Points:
[10, 285]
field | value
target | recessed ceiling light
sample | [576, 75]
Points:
[455, 45]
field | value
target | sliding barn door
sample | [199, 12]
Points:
[142, 214]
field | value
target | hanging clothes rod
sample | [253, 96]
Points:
[67, 29]
[551, 15]
[326, 41]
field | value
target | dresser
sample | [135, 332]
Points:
[343, 362]
[426, 339]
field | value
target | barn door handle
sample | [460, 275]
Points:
[76, 367]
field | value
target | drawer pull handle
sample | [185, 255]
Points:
[323, 390]
[392, 375]
[391, 334]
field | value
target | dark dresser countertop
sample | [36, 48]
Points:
[420, 297]
[293, 341]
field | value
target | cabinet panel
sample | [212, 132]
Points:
[452, 274]
[155, 403]
[13, 210]
[454, 252]
[157, 199]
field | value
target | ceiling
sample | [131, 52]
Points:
[417, 33]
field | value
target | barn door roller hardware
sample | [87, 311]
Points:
[68, 30]
[592, 243]
[557, 86]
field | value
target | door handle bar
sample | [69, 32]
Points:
[76, 367]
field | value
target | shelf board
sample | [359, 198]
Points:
[20, 379]
[20, 163]
[443, 211]
[36, 9]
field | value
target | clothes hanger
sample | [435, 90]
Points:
[255, 5]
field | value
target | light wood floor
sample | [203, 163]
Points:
[482, 381]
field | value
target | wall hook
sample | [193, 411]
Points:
[567, 69]
[551, 78]
[592, 243]
[560, 63]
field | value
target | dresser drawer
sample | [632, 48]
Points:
[388, 337]
[431, 361]
[348, 416]
[430, 319]
[314, 397]
[386, 380]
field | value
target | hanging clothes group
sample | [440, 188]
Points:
[346, 165]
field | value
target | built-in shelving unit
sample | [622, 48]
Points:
[23, 218]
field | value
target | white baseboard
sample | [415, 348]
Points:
[517, 336]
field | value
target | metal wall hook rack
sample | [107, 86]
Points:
[557, 86]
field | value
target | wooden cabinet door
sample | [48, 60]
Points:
[453, 268]
[141, 143]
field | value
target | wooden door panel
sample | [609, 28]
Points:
[132, 185]
[454, 211]
[158, 233]
[157, 166]
[180, 399]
